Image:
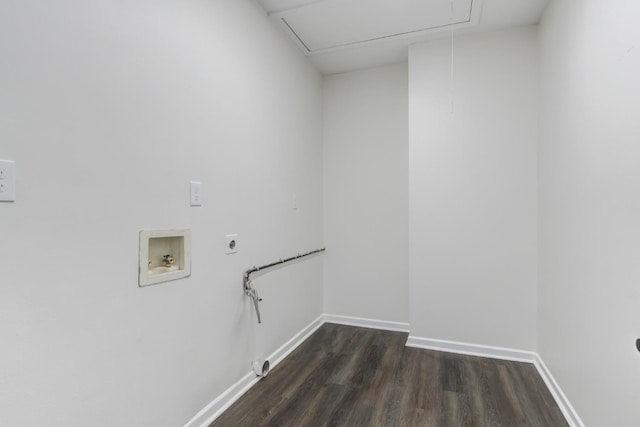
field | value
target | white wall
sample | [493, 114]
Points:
[472, 189]
[366, 194]
[590, 206]
[109, 109]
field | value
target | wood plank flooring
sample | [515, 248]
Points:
[348, 376]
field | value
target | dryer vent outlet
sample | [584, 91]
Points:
[261, 368]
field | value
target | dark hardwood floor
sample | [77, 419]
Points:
[348, 376]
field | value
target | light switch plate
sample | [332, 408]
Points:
[196, 193]
[7, 181]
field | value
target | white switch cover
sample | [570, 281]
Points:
[196, 193]
[7, 181]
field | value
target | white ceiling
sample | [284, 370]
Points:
[345, 35]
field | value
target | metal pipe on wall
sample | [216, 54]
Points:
[250, 291]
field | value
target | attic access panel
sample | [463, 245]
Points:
[331, 24]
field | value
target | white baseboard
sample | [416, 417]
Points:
[505, 354]
[367, 323]
[472, 349]
[220, 404]
[563, 403]
[285, 349]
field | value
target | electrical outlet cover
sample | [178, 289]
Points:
[231, 244]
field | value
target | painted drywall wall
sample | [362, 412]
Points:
[589, 206]
[472, 189]
[366, 194]
[109, 109]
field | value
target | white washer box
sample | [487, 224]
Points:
[164, 255]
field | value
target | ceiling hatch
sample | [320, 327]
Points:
[325, 25]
